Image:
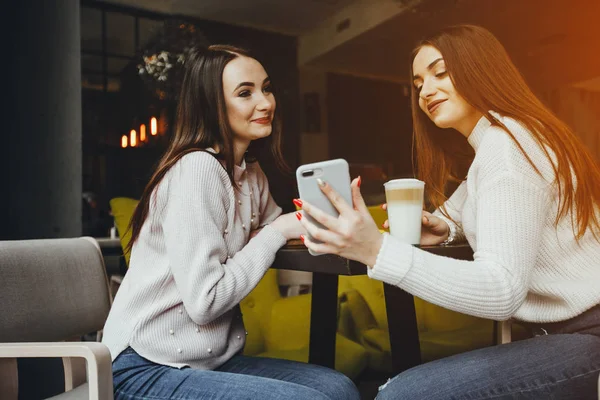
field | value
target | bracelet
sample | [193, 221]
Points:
[451, 231]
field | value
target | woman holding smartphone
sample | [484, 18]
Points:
[528, 208]
[203, 235]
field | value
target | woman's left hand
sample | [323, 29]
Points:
[353, 234]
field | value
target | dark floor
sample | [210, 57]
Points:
[368, 383]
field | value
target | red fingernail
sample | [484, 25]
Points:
[297, 202]
[358, 183]
[298, 215]
[302, 238]
[383, 225]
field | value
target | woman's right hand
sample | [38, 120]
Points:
[289, 226]
[434, 230]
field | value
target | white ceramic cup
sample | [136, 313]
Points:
[404, 199]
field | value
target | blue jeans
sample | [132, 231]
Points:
[564, 364]
[242, 377]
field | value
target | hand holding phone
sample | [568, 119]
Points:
[336, 173]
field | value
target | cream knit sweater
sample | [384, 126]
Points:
[193, 263]
[524, 267]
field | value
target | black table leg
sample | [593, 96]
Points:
[404, 334]
[323, 319]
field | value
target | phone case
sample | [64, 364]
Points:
[336, 173]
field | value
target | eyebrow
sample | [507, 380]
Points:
[429, 67]
[267, 79]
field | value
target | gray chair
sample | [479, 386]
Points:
[54, 290]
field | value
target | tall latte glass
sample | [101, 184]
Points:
[404, 206]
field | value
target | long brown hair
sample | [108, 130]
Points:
[486, 78]
[201, 122]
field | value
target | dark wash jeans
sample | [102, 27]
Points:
[561, 362]
[240, 378]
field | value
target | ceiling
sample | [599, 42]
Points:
[553, 42]
[292, 17]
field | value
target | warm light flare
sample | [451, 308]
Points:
[153, 126]
[124, 141]
[133, 138]
[142, 133]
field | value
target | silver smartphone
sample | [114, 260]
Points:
[336, 173]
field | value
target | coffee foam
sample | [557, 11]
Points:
[407, 183]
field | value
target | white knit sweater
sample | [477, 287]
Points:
[193, 263]
[524, 267]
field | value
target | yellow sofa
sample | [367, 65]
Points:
[279, 327]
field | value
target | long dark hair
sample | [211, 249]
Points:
[201, 122]
[486, 78]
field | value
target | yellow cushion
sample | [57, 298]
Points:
[289, 324]
[372, 292]
[379, 215]
[377, 343]
[435, 345]
[122, 209]
[440, 319]
[254, 340]
[360, 311]
[260, 300]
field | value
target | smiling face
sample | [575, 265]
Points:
[438, 97]
[249, 101]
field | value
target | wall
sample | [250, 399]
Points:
[580, 109]
[369, 122]
[314, 137]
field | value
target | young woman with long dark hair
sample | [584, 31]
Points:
[203, 235]
[528, 208]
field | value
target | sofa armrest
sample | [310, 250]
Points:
[361, 312]
[97, 356]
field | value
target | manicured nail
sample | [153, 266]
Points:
[358, 183]
[382, 206]
[297, 202]
[383, 225]
[321, 182]
[298, 215]
[302, 238]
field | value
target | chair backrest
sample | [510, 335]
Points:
[52, 289]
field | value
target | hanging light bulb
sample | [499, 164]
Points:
[133, 138]
[142, 133]
[153, 126]
[124, 141]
